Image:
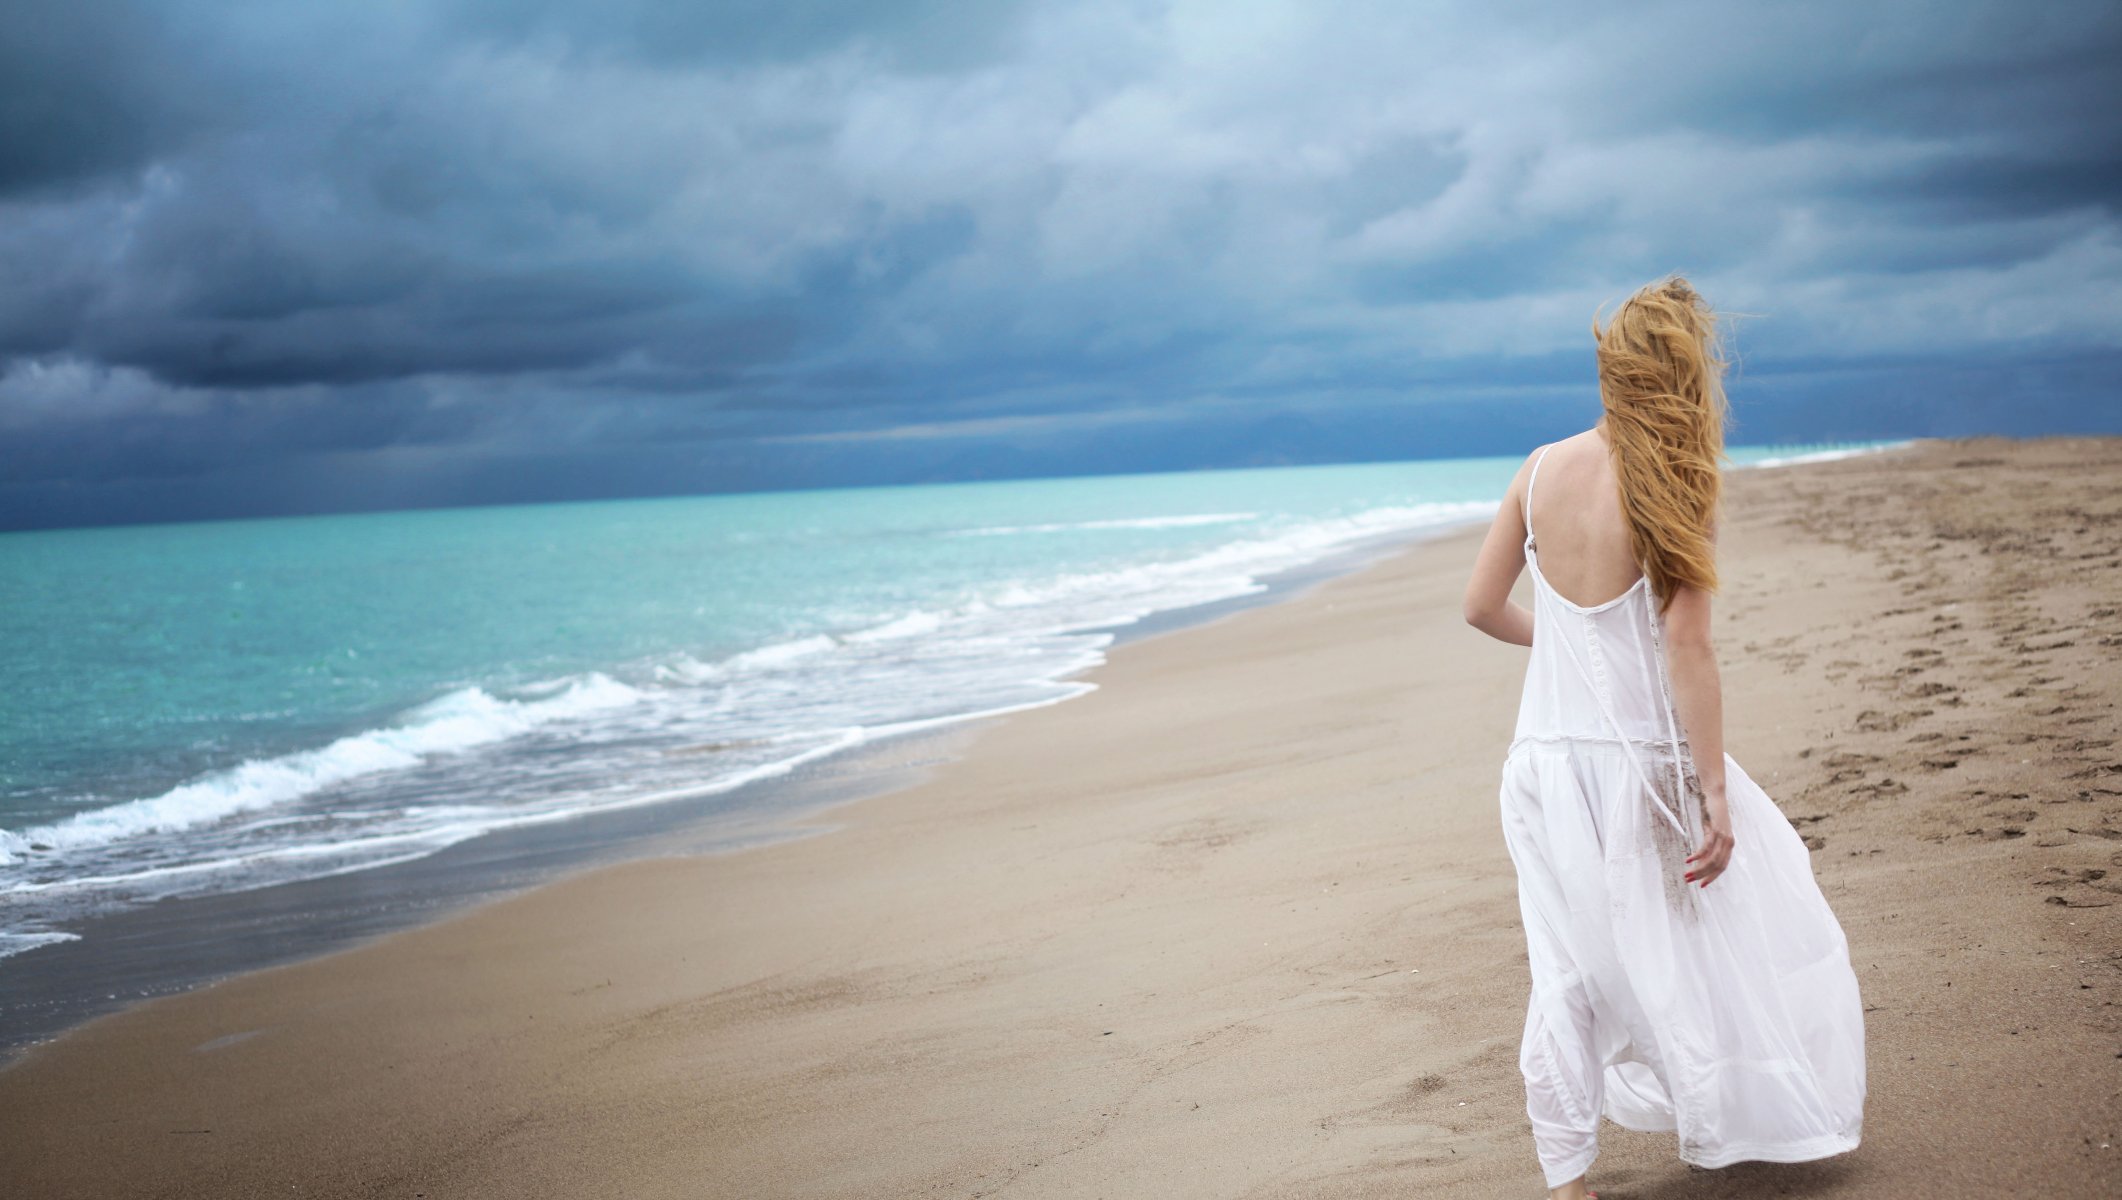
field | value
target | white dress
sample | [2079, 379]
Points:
[1727, 1014]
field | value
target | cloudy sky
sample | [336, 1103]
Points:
[267, 257]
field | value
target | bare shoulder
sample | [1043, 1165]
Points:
[1572, 448]
[1525, 470]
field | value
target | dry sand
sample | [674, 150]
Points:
[1239, 923]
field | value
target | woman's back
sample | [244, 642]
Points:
[1597, 676]
[1585, 553]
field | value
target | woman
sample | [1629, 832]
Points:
[1687, 975]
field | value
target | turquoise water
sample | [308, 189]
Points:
[214, 707]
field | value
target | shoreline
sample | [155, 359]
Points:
[1237, 923]
[135, 956]
[126, 961]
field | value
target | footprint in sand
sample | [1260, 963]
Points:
[1874, 721]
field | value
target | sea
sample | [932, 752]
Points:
[203, 711]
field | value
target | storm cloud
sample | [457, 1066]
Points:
[258, 257]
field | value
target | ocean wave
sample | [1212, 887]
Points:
[288, 861]
[1816, 456]
[16, 942]
[1172, 522]
[1232, 569]
[689, 670]
[913, 624]
[1089, 599]
[463, 719]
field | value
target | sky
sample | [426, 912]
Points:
[260, 258]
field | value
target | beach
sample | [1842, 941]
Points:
[1238, 922]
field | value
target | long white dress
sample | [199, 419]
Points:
[1728, 1014]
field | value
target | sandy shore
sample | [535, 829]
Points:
[1239, 923]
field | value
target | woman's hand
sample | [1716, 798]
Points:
[1698, 701]
[1715, 854]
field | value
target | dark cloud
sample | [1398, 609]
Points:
[930, 34]
[349, 255]
[92, 88]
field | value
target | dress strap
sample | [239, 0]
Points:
[1530, 480]
[1672, 724]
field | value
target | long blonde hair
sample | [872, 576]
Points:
[1661, 378]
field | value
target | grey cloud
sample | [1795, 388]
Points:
[91, 88]
[477, 224]
[930, 34]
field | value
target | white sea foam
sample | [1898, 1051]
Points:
[367, 852]
[912, 624]
[1180, 521]
[460, 720]
[1815, 456]
[1231, 569]
[16, 943]
[773, 655]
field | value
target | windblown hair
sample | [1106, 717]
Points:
[1661, 378]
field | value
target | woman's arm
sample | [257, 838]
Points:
[1496, 570]
[1698, 702]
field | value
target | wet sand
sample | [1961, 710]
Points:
[1239, 923]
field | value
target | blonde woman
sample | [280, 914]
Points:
[1687, 975]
